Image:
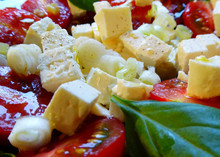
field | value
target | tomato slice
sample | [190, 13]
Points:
[14, 24]
[98, 137]
[198, 17]
[175, 90]
[39, 8]
[19, 97]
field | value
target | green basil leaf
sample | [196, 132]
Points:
[171, 129]
[84, 4]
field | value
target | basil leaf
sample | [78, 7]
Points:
[84, 4]
[171, 129]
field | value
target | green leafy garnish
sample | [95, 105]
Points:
[84, 4]
[170, 129]
[3, 154]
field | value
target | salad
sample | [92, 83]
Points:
[109, 78]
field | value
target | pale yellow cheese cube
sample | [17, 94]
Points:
[95, 31]
[203, 77]
[36, 29]
[131, 41]
[216, 17]
[189, 49]
[104, 84]
[70, 105]
[56, 38]
[153, 51]
[212, 42]
[142, 3]
[113, 21]
[101, 5]
[82, 30]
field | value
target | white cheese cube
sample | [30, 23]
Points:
[142, 3]
[36, 29]
[101, 5]
[153, 51]
[182, 76]
[99, 110]
[70, 105]
[189, 49]
[56, 38]
[82, 30]
[212, 42]
[103, 82]
[131, 41]
[216, 17]
[132, 90]
[203, 77]
[95, 31]
[58, 66]
[113, 21]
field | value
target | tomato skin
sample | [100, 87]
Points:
[176, 8]
[19, 97]
[39, 8]
[13, 26]
[108, 131]
[175, 90]
[115, 2]
[198, 17]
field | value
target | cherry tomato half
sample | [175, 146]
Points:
[40, 8]
[98, 137]
[14, 24]
[175, 90]
[19, 97]
[198, 17]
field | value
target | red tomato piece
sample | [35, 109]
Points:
[175, 90]
[139, 15]
[19, 97]
[115, 2]
[39, 8]
[198, 17]
[102, 137]
[14, 24]
[176, 8]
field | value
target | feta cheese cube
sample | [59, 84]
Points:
[101, 5]
[56, 38]
[216, 17]
[70, 105]
[36, 29]
[113, 21]
[132, 90]
[212, 42]
[82, 30]
[58, 66]
[189, 49]
[142, 3]
[203, 77]
[95, 31]
[153, 51]
[103, 82]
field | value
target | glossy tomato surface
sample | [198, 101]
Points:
[14, 24]
[175, 90]
[97, 137]
[19, 97]
[40, 8]
[198, 17]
